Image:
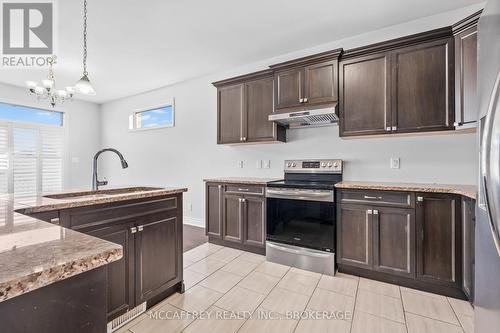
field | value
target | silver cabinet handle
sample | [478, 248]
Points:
[241, 138]
[133, 230]
[301, 100]
[369, 212]
[420, 199]
[388, 129]
[375, 212]
[305, 100]
[372, 198]
[220, 187]
[140, 228]
[394, 128]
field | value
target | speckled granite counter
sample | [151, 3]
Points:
[465, 190]
[34, 253]
[241, 180]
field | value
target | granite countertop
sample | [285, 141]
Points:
[465, 190]
[79, 198]
[241, 180]
[34, 253]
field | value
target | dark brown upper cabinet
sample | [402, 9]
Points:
[398, 86]
[309, 81]
[244, 104]
[466, 103]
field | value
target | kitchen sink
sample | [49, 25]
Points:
[100, 193]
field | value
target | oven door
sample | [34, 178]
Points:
[301, 217]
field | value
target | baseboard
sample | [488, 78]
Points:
[194, 221]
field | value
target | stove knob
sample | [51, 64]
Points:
[323, 165]
[289, 164]
[330, 164]
[294, 165]
[336, 165]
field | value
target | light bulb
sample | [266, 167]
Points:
[31, 84]
[62, 93]
[84, 87]
[48, 83]
[39, 90]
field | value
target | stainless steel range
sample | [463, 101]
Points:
[301, 215]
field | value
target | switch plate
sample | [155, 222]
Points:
[258, 165]
[267, 164]
[395, 163]
[240, 164]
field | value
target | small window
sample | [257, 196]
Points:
[12, 112]
[151, 118]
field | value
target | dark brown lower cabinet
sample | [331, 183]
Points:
[426, 245]
[236, 216]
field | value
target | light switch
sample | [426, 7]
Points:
[395, 163]
[267, 164]
[240, 164]
[258, 164]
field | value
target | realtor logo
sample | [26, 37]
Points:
[27, 28]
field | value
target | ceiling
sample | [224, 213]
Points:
[136, 46]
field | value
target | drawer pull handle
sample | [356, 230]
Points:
[372, 198]
[133, 230]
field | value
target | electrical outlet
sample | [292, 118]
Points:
[240, 164]
[267, 164]
[258, 165]
[395, 163]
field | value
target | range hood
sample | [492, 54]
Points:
[307, 118]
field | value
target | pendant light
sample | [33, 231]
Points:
[84, 86]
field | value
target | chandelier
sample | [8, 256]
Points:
[47, 89]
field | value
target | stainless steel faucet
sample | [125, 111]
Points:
[95, 180]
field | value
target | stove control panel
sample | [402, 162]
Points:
[314, 166]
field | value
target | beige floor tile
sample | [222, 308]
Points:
[427, 306]
[252, 257]
[216, 320]
[264, 321]
[300, 283]
[420, 292]
[226, 254]
[325, 300]
[460, 306]
[282, 301]
[191, 278]
[467, 322]
[170, 320]
[240, 267]
[195, 299]
[367, 323]
[339, 284]
[221, 281]
[186, 263]
[305, 272]
[273, 269]
[378, 287]
[207, 266]
[380, 305]
[196, 254]
[419, 324]
[240, 299]
[347, 276]
[259, 282]
[323, 326]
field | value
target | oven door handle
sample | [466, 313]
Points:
[326, 196]
[293, 251]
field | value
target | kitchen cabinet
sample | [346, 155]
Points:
[239, 212]
[365, 103]
[213, 213]
[466, 103]
[244, 104]
[398, 86]
[438, 242]
[308, 81]
[468, 235]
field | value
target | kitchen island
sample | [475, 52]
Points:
[87, 256]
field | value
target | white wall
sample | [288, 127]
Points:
[188, 153]
[83, 132]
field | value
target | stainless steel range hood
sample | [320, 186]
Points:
[307, 118]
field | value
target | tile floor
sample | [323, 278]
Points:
[228, 290]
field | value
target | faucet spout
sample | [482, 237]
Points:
[95, 179]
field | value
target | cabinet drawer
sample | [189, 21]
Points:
[382, 198]
[245, 189]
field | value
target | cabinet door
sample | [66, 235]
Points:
[259, 105]
[289, 88]
[230, 114]
[321, 83]
[120, 283]
[466, 108]
[233, 218]
[422, 84]
[438, 247]
[354, 235]
[365, 106]
[158, 247]
[255, 212]
[213, 227]
[468, 234]
[394, 241]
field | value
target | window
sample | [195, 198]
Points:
[31, 150]
[157, 117]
